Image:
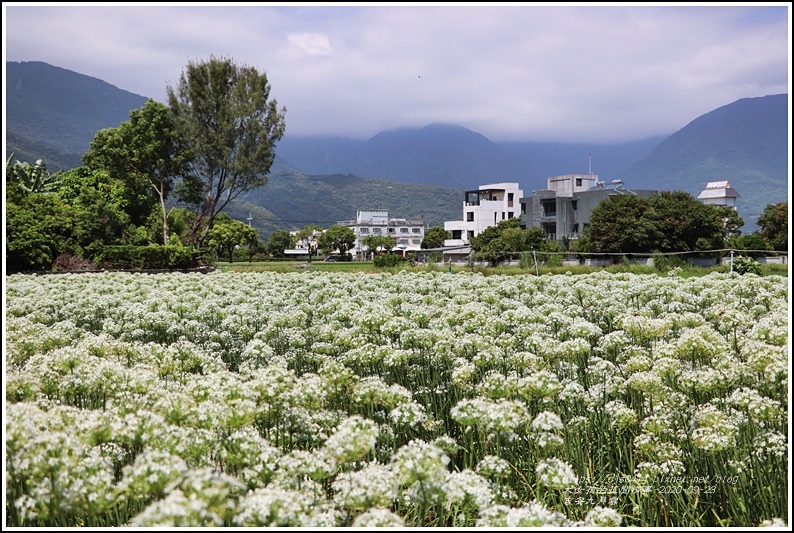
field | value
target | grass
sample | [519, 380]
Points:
[370, 268]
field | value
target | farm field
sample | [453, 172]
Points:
[330, 399]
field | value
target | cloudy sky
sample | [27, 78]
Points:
[510, 71]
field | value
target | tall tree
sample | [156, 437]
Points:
[147, 152]
[232, 125]
[774, 225]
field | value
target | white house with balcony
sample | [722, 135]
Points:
[482, 208]
[407, 233]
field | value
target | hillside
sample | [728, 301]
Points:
[296, 200]
[453, 156]
[745, 142]
[58, 112]
[53, 114]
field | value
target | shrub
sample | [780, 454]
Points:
[743, 265]
[389, 260]
[153, 256]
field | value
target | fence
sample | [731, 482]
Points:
[704, 258]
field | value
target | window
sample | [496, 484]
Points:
[509, 214]
[363, 231]
[470, 216]
[391, 230]
[402, 241]
[403, 230]
[549, 208]
[457, 234]
[578, 182]
[574, 204]
[509, 199]
[503, 215]
[416, 230]
[470, 234]
[377, 231]
[416, 242]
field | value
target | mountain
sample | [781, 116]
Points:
[453, 156]
[296, 199]
[745, 142]
[53, 113]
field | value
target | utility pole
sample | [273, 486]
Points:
[249, 219]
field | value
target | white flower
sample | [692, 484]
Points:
[410, 414]
[378, 517]
[375, 485]
[353, 439]
[547, 421]
[603, 517]
[556, 474]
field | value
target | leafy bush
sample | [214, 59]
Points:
[665, 263]
[389, 260]
[153, 256]
[743, 265]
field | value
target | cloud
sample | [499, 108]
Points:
[312, 44]
[509, 71]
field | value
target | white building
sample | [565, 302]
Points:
[719, 193]
[482, 208]
[407, 233]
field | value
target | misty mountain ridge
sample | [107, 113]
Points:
[53, 114]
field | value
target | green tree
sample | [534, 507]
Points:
[506, 240]
[279, 241]
[338, 237]
[749, 244]
[684, 223]
[101, 206]
[623, 223]
[146, 152]
[377, 243]
[232, 125]
[227, 234]
[435, 237]
[38, 229]
[775, 226]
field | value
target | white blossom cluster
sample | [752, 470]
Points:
[321, 400]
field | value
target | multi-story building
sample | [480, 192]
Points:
[407, 233]
[719, 193]
[484, 207]
[563, 209]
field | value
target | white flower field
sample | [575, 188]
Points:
[314, 399]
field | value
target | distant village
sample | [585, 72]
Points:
[562, 210]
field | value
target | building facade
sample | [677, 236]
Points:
[407, 233]
[482, 208]
[563, 209]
